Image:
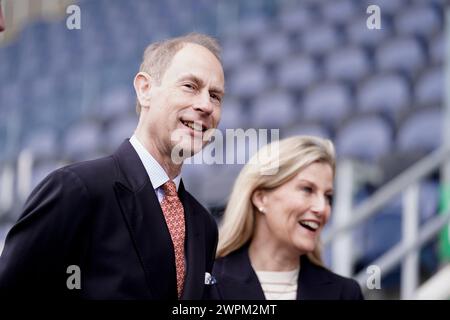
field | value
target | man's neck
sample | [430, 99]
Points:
[172, 170]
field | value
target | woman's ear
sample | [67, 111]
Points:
[259, 199]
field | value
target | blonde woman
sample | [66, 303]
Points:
[269, 237]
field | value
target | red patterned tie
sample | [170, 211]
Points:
[174, 214]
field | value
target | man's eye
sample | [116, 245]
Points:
[189, 86]
[215, 97]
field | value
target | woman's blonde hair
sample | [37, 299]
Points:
[269, 168]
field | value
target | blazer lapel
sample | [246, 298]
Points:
[241, 280]
[145, 221]
[314, 283]
[195, 249]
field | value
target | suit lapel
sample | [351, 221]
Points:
[145, 221]
[195, 249]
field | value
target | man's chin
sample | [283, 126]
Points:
[182, 152]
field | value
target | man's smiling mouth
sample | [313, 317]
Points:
[196, 126]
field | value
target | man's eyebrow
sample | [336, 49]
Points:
[193, 78]
[201, 83]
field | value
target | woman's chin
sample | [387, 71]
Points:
[305, 247]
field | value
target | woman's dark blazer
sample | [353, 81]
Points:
[236, 280]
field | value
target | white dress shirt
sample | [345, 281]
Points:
[154, 170]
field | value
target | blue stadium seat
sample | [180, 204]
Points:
[320, 39]
[387, 93]
[349, 64]
[233, 115]
[120, 129]
[296, 19]
[7, 70]
[338, 12]
[249, 80]
[29, 54]
[419, 19]
[309, 128]
[328, 103]
[365, 137]
[253, 27]
[273, 47]
[391, 7]
[42, 108]
[437, 48]
[83, 141]
[42, 143]
[429, 88]
[403, 54]
[421, 130]
[94, 48]
[116, 102]
[359, 35]
[273, 109]
[11, 95]
[43, 88]
[211, 192]
[297, 72]
[3, 140]
[70, 96]
[384, 230]
[234, 53]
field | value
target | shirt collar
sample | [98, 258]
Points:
[154, 170]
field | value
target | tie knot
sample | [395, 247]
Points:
[170, 189]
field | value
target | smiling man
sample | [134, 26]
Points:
[124, 227]
[179, 105]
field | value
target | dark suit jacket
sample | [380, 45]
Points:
[236, 280]
[104, 216]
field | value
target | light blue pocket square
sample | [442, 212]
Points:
[209, 279]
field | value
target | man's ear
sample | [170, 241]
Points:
[142, 85]
[259, 199]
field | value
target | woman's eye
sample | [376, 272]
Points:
[307, 189]
[330, 199]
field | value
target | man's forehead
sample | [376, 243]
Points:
[194, 53]
[195, 64]
[215, 85]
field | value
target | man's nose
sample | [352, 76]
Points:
[203, 103]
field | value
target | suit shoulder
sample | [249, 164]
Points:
[91, 166]
[89, 172]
